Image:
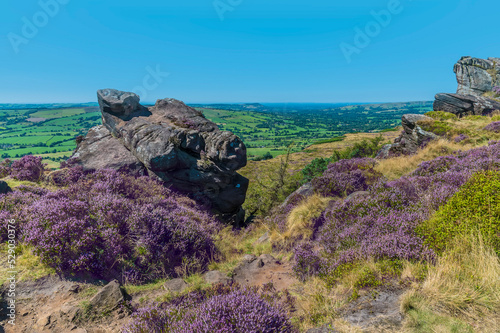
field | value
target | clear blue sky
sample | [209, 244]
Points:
[246, 51]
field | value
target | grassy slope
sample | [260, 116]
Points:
[433, 292]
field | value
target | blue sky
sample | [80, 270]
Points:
[240, 50]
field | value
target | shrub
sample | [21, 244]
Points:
[308, 262]
[496, 90]
[437, 127]
[218, 309]
[108, 223]
[476, 205]
[29, 168]
[345, 177]
[5, 168]
[315, 169]
[365, 148]
[461, 138]
[441, 115]
[275, 182]
[493, 127]
[384, 224]
[300, 222]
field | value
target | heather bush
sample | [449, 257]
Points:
[108, 224]
[493, 127]
[5, 168]
[496, 90]
[460, 138]
[346, 176]
[308, 262]
[29, 168]
[218, 309]
[300, 223]
[384, 224]
[475, 206]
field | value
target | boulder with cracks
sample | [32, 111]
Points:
[170, 141]
[411, 139]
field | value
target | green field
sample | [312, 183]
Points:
[51, 130]
[47, 132]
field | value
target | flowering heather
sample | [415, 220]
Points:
[496, 90]
[108, 223]
[5, 168]
[383, 224]
[308, 262]
[219, 309]
[28, 168]
[461, 138]
[278, 215]
[493, 127]
[346, 176]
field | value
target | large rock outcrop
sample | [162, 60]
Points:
[465, 105]
[172, 141]
[475, 77]
[411, 139]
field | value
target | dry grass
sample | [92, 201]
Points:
[300, 159]
[321, 302]
[299, 224]
[317, 304]
[396, 167]
[233, 245]
[463, 286]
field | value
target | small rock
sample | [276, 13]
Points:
[74, 289]
[4, 187]
[176, 285]
[109, 297]
[248, 270]
[268, 259]
[248, 258]
[263, 239]
[118, 102]
[215, 277]
[44, 321]
[359, 194]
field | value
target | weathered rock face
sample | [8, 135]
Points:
[411, 139]
[477, 76]
[100, 150]
[465, 105]
[172, 141]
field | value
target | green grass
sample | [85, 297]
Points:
[56, 113]
[263, 132]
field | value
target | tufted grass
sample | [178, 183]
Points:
[463, 288]
[396, 167]
[299, 224]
